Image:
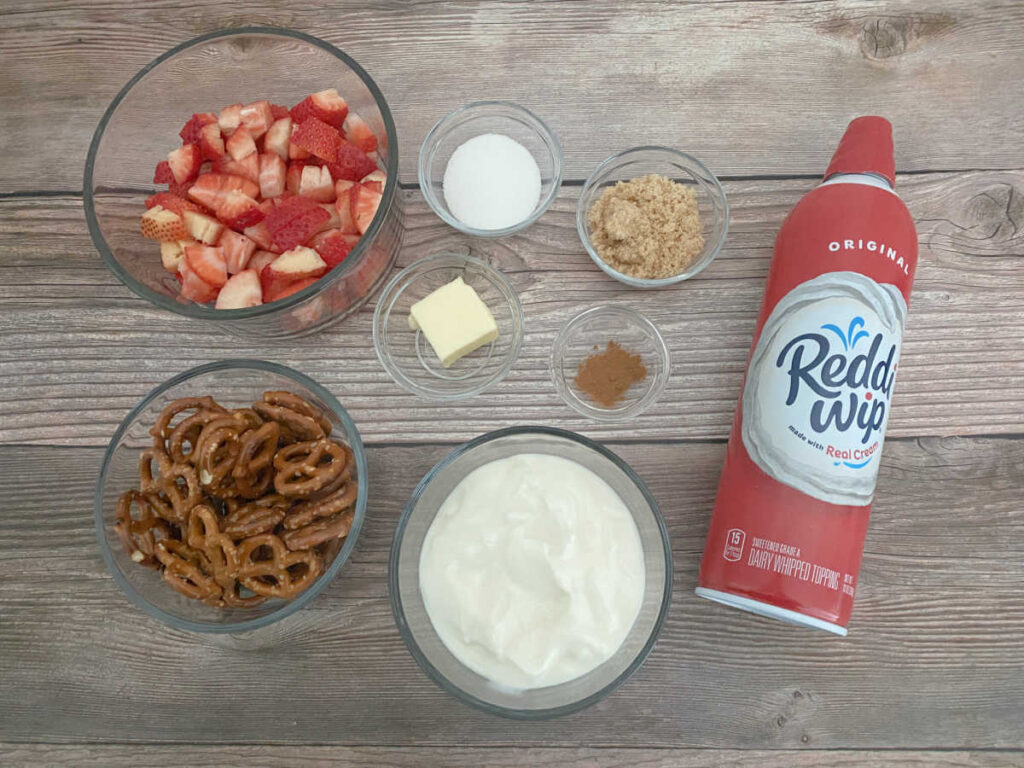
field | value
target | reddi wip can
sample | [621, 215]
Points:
[787, 532]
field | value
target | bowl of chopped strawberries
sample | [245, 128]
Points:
[248, 177]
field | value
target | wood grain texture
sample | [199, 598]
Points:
[935, 658]
[262, 756]
[78, 350]
[747, 86]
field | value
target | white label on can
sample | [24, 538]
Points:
[819, 386]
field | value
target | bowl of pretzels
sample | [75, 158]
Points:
[231, 496]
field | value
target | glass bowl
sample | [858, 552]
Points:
[141, 126]
[414, 623]
[589, 333]
[232, 383]
[675, 165]
[407, 355]
[474, 119]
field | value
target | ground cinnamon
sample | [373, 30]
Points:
[606, 375]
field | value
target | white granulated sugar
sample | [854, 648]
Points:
[491, 182]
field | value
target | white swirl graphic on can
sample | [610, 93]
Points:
[819, 386]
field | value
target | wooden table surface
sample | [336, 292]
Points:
[932, 673]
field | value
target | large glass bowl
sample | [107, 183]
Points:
[232, 383]
[414, 623]
[141, 126]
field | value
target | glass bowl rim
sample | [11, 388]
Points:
[630, 411]
[433, 135]
[398, 609]
[385, 303]
[199, 311]
[323, 580]
[661, 282]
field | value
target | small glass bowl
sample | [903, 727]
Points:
[474, 119]
[411, 615]
[675, 165]
[232, 383]
[407, 355]
[589, 333]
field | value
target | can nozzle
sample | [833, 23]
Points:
[866, 147]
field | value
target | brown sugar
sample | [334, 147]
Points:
[648, 227]
[605, 376]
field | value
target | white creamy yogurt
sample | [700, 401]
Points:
[491, 182]
[532, 571]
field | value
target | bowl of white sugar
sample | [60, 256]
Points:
[490, 168]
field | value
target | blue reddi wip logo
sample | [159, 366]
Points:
[850, 373]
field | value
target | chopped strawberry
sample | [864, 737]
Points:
[333, 246]
[240, 144]
[248, 167]
[332, 223]
[173, 203]
[272, 175]
[318, 138]
[179, 190]
[171, 254]
[208, 264]
[238, 249]
[293, 176]
[184, 163]
[202, 227]
[351, 163]
[290, 288]
[229, 119]
[324, 105]
[277, 111]
[296, 264]
[211, 143]
[163, 174]
[238, 210]
[343, 205]
[359, 134]
[294, 220]
[194, 287]
[259, 233]
[260, 259]
[363, 203]
[295, 152]
[278, 136]
[211, 187]
[257, 117]
[193, 128]
[241, 290]
[164, 225]
[316, 184]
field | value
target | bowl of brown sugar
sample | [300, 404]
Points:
[609, 363]
[652, 216]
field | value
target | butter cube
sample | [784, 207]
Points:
[455, 321]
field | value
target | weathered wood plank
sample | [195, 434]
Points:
[750, 87]
[78, 350]
[935, 658]
[262, 756]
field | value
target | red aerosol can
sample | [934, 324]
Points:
[788, 528]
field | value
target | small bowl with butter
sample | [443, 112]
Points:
[448, 326]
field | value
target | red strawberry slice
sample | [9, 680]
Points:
[248, 167]
[294, 220]
[211, 143]
[207, 262]
[194, 287]
[359, 134]
[318, 138]
[240, 144]
[333, 246]
[293, 176]
[277, 111]
[238, 210]
[163, 225]
[295, 152]
[241, 290]
[238, 249]
[272, 175]
[163, 173]
[316, 184]
[290, 288]
[259, 233]
[351, 163]
[363, 204]
[260, 259]
[173, 203]
[184, 163]
[278, 136]
[324, 105]
[210, 188]
[257, 117]
[229, 119]
[191, 132]
[343, 205]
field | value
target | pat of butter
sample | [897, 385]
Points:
[455, 321]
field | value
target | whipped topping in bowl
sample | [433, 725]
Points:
[532, 571]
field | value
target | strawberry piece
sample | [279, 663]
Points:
[318, 138]
[241, 290]
[194, 287]
[238, 210]
[272, 175]
[164, 225]
[316, 184]
[173, 203]
[240, 144]
[278, 136]
[259, 233]
[210, 188]
[179, 190]
[293, 176]
[343, 205]
[375, 180]
[351, 163]
[238, 249]
[291, 266]
[208, 264]
[163, 174]
[248, 167]
[202, 227]
[171, 254]
[257, 117]
[323, 105]
[211, 143]
[290, 288]
[184, 163]
[294, 220]
[277, 111]
[191, 132]
[229, 119]
[260, 259]
[295, 152]
[363, 204]
[358, 133]
[333, 246]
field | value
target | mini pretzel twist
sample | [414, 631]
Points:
[138, 535]
[267, 567]
[186, 569]
[253, 519]
[254, 468]
[217, 451]
[204, 534]
[161, 431]
[305, 468]
[164, 490]
[295, 426]
[299, 405]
